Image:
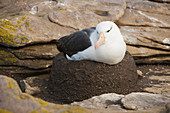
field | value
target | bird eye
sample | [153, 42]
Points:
[97, 32]
[109, 30]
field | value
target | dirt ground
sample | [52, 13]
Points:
[149, 70]
[143, 80]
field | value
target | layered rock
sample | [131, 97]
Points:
[147, 44]
[27, 61]
[29, 29]
[145, 27]
[87, 13]
[146, 13]
[16, 53]
[144, 101]
[15, 7]
[13, 100]
[162, 82]
[132, 101]
[110, 101]
[26, 38]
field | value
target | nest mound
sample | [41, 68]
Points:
[79, 80]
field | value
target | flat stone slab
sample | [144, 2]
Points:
[9, 59]
[147, 44]
[87, 13]
[138, 101]
[28, 29]
[39, 51]
[12, 100]
[146, 13]
[109, 101]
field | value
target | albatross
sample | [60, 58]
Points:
[103, 43]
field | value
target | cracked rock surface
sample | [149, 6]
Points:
[29, 37]
[29, 30]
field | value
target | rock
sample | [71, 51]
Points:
[155, 79]
[35, 57]
[161, 1]
[154, 110]
[13, 100]
[28, 89]
[160, 78]
[168, 107]
[146, 44]
[9, 59]
[44, 51]
[87, 13]
[146, 13]
[35, 85]
[135, 17]
[15, 7]
[146, 37]
[20, 72]
[27, 29]
[149, 6]
[163, 59]
[35, 63]
[144, 27]
[145, 52]
[42, 9]
[18, 7]
[112, 102]
[105, 101]
[140, 74]
[38, 86]
[76, 81]
[139, 101]
[161, 86]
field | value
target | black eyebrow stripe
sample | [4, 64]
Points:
[109, 29]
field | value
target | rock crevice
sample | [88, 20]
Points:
[30, 28]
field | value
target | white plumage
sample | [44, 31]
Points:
[107, 45]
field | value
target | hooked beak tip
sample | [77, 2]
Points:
[100, 41]
[95, 47]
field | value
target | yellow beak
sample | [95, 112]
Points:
[100, 41]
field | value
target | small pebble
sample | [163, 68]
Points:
[150, 70]
[139, 72]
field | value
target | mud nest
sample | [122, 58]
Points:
[80, 80]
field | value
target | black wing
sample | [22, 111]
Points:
[73, 43]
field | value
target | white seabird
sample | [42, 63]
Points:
[103, 43]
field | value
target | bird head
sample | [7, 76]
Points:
[106, 31]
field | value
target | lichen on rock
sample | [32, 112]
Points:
[11, 34]
[4, 111]
[24, 103]
[7, 58]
